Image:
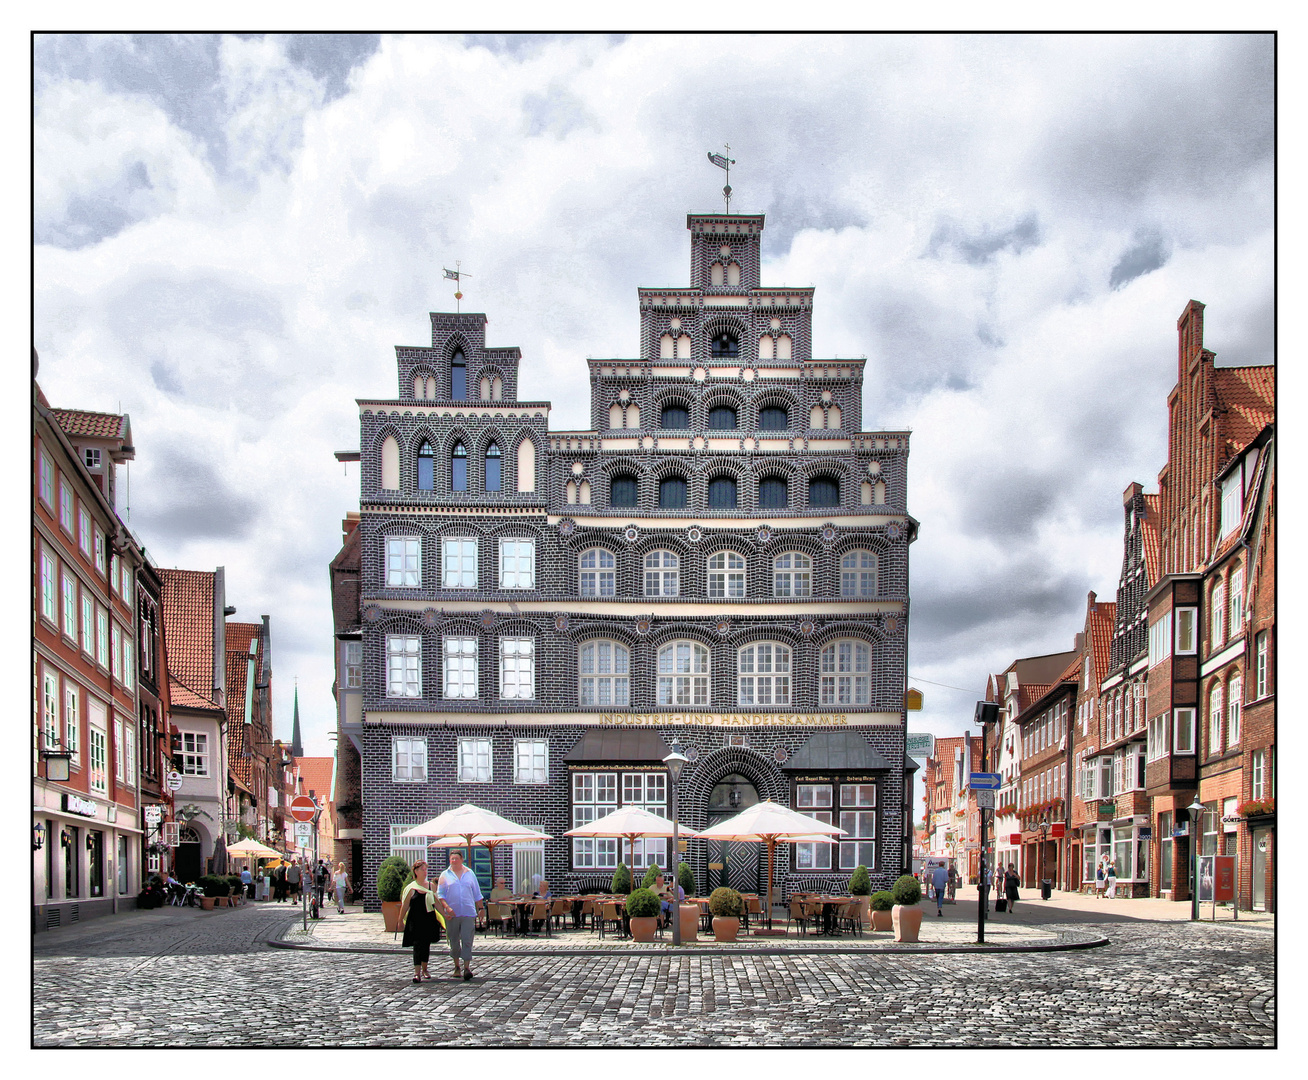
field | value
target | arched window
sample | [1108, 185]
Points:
[390, 464]
[722, 418]
[598, 572]
[726, 575]
[683, 673]
[662, 574]
[725, 346]
[845, 676]
[426, 468]
[792, 574]
[672, 493]
[858, 574]
[683, 347]
[458, 376]
[823, 491]
[492, 468]
[603, 667]
[459, 468]
[722, 493]
[763, 674]
[783, 347]
[615, 416]
[773, 418]
[772, 493]
[766, 347]
[666, 347]
[733, 273]
[1215, 719]
[622, 491]
[715, 274]
[675, 417]
[485, 388]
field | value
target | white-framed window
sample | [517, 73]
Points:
[403, 562]
[45, 488]
[1106, 777]
[101, 636]
[408, 760]
[116, 651]
[1215, 716]
[662, 573]
[858, 574]
[846, 673]
[70, 607]
[353, 665]
[65, 506]
[1236, 621]
[474, 761]
[195, 753]
[1217, 614]
[88, 624]
[792, 574]
[118, 750]
[603, 668]
[91, 455]
[598, 572]
[1156, 737]
[113, 573]
[98, 755]
[683, 673]
[461, 667]
[1231, 499]
[859, 847]
[1183, 731]
[409, 848]
[763, 674]
[1186, 636]
[813, 800]
[49, 588]
[459, 562]
[594, 795]
[84, 531]
[1262, 669]
[50, 708]
[1234, 701]
[518, 668]
[1258, 775]
[649, 791]
[99, 552]
[128, 578]
[129, 753]
[1160, 639]
[726, 574]
[531, 761]
[404, 665]
[517, 564]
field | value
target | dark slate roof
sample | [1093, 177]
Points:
[837, 750]
[619, 744]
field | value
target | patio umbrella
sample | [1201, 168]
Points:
[473, 826]
[629, 823]
[252, 848]
[770, 823]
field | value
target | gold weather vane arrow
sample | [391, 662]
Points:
[722, 162]
[456, 275]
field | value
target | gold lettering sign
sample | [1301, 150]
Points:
[726, 719]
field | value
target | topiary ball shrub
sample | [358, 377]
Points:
[647, 882]
[621, 884]
[726, 903]
[686, 878]
[881, 901]
[860, 882]
[643, 904]
[390, 881]
[907, 891]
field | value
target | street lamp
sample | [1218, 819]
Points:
[675, 762]
[1044, 830]
[987, 713]
[1195, 809]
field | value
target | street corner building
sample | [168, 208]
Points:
[528, 619]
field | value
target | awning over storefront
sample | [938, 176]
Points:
[619, 744]
[836, 750]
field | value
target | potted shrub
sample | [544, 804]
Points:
[212, 887]
[881, 903]
[860, 886]
[643, 907]
[647, 882]
[621, 884]
[391, 876]
[906, 916]
[727, 906]
[686, 878]
[235, 889]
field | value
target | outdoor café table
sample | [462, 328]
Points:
[522, 911]
[705, 915]
[830, 905]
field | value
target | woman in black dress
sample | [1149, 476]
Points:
[419, 919]
[1010, 886]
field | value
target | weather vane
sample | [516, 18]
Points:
[456, 275]
[722, 163]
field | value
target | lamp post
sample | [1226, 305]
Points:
[1195, 809]
[1044, 830]
[675, 762]
[987, 713]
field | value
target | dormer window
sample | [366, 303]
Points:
[92, 457]
[458, 377]
[725, 346]
[426, 468]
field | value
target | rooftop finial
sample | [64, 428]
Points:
[456, 275]
[722, 162]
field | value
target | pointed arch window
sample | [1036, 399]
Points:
[493, 473]
[426, 468]
[459, 468]
[458, 376]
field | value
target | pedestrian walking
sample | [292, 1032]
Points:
[953, 883]
[1110, 881]
[247, 882]
[459, 897]
[279, 884]
[419, 918]
[293, 875]
[1101, 876]
[1011, 881]
[341, 883]
[939, 879]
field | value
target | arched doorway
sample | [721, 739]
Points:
[186, 862]
[738, 861]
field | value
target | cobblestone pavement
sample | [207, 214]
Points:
[177, 977]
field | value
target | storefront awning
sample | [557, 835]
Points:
[619, 744]
[836, 751]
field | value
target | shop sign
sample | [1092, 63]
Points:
[726, 719]
[1057, 830]
[1146, 832]
[75, 804]
[153, 814]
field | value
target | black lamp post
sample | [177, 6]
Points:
[1044, 831]
[987, 713]
[1195, 809]
[675, 762]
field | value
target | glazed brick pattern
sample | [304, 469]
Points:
[448, 333]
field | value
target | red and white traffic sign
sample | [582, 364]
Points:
[303, 808]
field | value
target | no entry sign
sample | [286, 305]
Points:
[303, 808]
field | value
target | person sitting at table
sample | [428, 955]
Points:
[500, 892]
[664, 890]
[542, 893]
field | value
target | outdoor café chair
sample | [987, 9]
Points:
[851, 918]
[540, 912]
[561, 909]
[588, 908]
[813, 912]
[797, 914]
[498, 916]
[608, 913]
[752, 907]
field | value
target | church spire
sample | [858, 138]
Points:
[297, 749]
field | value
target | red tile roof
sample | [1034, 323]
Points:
[1099, 623]
[91, 425]
[239, 636]
[1249, 395]
[187, 603]
[1030, 693]
[185, 697]
[315, 776]
[1151, 539]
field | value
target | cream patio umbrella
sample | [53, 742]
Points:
[253, 849]
[629, 823]
[771, 823]
[473, 826]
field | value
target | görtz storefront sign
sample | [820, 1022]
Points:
[75, 804]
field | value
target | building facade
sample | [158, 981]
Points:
[721, 560]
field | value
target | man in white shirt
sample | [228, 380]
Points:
[459, 897]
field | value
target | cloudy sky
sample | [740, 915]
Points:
[232, 234]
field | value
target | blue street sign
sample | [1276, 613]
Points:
[985, 781]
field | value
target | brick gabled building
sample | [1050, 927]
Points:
[157, 802]
[952, 817]
[1044, 788]
[1091, 806]
[347, 688]
[255, 759]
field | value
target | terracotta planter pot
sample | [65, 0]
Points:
[689, 922]
[907, 921]
[864, 909]
[643, 929]
[881, 920]
[206, 902]
[725, 927]
[391, 915]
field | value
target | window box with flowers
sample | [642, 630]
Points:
[1257, 808]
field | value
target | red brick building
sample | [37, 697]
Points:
[1091, 804]
[1045, 785]
[951, 811]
